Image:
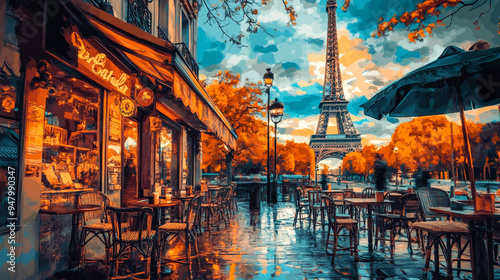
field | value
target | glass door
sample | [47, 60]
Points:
[130, 160]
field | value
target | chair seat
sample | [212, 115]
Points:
[173, 227]
[346, 221]
[206, 205]
[98, 227]
[343, 216]
[133, 236]
[389, 216]
[102, 227]
[442, 227]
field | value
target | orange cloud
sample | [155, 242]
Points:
[303, 132]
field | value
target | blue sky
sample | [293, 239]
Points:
[296, 55]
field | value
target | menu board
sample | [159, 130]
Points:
[114, 156]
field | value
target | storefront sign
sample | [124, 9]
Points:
[145, 97]
[99, 65]
[127, 107]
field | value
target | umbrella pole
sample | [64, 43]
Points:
[468, 154]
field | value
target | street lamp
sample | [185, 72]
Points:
[268, 82]
[308, 171]
[276, 114]
[396, 149]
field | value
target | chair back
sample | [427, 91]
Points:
[409, 204]
[328, 203]
[94, 198]
[314, 198]
[193, 211]
[297, 195]
[336, 195]
[432, 197]
[368, 193]
[119, 216]
[395, 196]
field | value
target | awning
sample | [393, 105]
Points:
[158, 60]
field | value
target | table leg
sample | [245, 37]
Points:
[370, 255]
[489, 246]
[369, 221]
[480, 269]
[74, 248]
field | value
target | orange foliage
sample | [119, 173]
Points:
[423, 11]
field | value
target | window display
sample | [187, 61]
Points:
[70, 140]
[167, 141]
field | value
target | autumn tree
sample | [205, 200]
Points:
[354, 164]
[240, 105]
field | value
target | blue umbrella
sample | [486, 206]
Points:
[458, 80]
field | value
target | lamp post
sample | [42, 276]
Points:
[268, 82]
[396, 149]
[308, 171]
[276, 114]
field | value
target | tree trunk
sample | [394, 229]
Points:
[229, 166]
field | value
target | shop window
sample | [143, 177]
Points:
[130, 156]
[185, 30]
[70, 158]
[11, 80]
[167, 152]
[187, 161]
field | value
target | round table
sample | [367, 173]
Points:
[164, 203]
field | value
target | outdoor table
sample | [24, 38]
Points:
[368, 202]
[76, 212]
[156, 207]
[480, 224]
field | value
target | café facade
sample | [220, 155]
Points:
[88, 102]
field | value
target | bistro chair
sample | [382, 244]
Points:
[440, 233]
[211, 208]
[404, 213]
[299, 205]
[95, 225]
[336, 225]
[139, 238]
[314, 207]
[170, 231]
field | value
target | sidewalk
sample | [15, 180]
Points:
[265, 245]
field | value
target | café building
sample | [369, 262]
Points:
[88, 102]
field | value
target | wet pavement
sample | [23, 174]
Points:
[265, 245]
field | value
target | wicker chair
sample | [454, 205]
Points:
[314, 207]
[299, 205]
[211, 208]
[178, 230]
[405, 211]
[139, 237]
[95, 225]
[436, 230]
[335, 226]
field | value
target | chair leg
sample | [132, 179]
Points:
[335, 244]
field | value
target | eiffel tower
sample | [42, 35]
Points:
[329, 142]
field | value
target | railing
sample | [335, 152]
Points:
[139, 15]
[183, 49]
[162, 35]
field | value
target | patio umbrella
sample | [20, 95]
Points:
[458, 80]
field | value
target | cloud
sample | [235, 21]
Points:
[262, 49]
